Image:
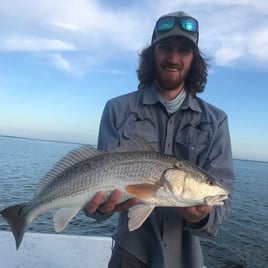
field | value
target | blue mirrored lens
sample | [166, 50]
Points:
[189, 24]
[165, 24]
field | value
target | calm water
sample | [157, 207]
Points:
[242, 241]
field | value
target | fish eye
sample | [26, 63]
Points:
[210, 183]
[179, 165]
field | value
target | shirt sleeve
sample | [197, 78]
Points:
[219, 164]
[108, 138]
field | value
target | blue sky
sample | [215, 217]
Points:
[62, 60]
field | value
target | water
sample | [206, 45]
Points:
[242, 241]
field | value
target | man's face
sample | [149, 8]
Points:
[173, 58]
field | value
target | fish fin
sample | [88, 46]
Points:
[142, 190]
[137, 216]
[135, 144]
[63, 216]
[75, 156]
[18, 223]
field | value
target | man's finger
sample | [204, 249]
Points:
[127, 204]
[109, 205]
[204, 208]
[94, 203]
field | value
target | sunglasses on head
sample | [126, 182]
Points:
[188, 24]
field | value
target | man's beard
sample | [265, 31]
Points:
[166, 81]
[170, 85]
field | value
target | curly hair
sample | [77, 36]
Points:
[195, 81]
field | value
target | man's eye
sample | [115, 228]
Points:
[184, 50]
[164, 47]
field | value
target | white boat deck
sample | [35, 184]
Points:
[40, 250]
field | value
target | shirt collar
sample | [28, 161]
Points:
[150, 96]
[192, 103]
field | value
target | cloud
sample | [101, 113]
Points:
[31, 43]
[230, 51]
[258, 44]
[76, 64]
[68, 26]
[230, 32]
[236, 34]
[61, 63]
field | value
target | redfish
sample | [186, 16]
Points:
[134, 168]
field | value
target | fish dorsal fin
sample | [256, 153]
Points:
[135, 144]
[73, 157]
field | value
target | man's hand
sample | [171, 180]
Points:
[194, 214]
[110, 205]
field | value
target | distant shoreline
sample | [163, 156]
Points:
[69, 142]
[248, 160]
[36, 139]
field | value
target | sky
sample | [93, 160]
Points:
[60, 61]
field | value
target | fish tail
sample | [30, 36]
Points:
[18, 222]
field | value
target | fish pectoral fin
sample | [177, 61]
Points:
[63, 216]
[137, 216]
[142, 190]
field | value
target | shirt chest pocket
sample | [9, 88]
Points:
[193, 142]
[143, 128]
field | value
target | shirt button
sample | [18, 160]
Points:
[192, 147]
[164, 244]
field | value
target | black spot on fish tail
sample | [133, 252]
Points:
[20, 210]
[17, 222]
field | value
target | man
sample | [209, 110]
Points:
[166, 112]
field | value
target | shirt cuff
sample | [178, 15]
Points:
[207, 226]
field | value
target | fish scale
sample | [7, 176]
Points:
[134, 169]
[85, 178]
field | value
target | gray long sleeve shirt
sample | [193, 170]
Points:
[197, 132]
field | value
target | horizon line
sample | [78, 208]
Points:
[80, 143]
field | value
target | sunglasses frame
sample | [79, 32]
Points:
[177, 21]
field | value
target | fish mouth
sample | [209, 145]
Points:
[215, 200]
